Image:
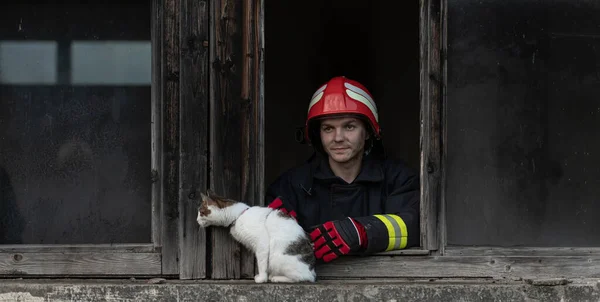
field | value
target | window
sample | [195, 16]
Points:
[365, 41]
[523, 165]
[75, 133]
[110, 127]
[75, 126]
[28, 63]
[506, 147]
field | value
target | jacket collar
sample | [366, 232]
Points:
[371, 170]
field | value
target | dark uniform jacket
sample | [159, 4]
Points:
[382, 187]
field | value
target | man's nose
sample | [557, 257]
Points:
[339, 135]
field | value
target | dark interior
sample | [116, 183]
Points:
[523, 123]
[309, 42]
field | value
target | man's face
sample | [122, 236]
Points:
[343, 138]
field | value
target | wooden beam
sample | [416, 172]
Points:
[170, 139]
[237, 121]
[225, 127]
[78, 248]
[252, 174]
[247, 114]
[156, 121]
[406, 252]
[193, 134]
[443, 49]
[259, 110]
[522, 251]
[91, 263]
[458, 267]
[431, 169]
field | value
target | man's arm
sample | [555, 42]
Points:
[396, 228]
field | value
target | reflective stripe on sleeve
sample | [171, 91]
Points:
[397, 232]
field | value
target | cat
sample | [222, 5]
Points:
[282, 248]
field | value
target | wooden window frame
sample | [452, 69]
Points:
[208, 100]
[113, 260]
[442, 261]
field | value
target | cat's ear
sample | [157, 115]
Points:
[203, 196]
[210, 198]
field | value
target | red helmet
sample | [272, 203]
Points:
[342, 96]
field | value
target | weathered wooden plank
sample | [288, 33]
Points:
[247, 114]
[225, 126]
[442, 224]
[251, 174]
[406, 252]
[193, 165]
[259, 69]
[80, 264]
[170, 141]
[79, 248]
[156, 120]
[431, 131]
[448, 266]
[522, 251]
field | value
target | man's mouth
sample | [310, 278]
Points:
[339, 149]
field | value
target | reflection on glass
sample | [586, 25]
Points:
[110, 62]
[28, 62]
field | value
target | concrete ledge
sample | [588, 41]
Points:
[332, 290]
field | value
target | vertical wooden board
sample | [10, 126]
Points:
[193, 136]
[156, 119]
[248, 122]
[441, 225]
[424, 97]
[170, 131]
[225, 127]
[259, 69]
[431, 168]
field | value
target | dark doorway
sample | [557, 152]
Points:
[309, 42]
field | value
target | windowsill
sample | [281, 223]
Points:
[413, 251]
[323, 290]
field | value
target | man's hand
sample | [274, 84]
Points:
[277, 204]
[336, 238]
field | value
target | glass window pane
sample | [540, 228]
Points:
[523, 123]
[111, 63]
[75, 123]
[28, 62]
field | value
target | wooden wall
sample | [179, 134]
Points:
[209, 91]
[216, 47]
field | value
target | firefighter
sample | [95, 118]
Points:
[348, 195]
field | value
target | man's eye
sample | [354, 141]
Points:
[327, 129]
[350, 127]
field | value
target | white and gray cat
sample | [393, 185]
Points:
[283, 250]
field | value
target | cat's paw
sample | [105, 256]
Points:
[260, 278]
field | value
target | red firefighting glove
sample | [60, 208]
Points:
[336, 238]
[278, 204]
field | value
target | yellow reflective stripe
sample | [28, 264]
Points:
[397, 231]
[403, 229]
[391, 231]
